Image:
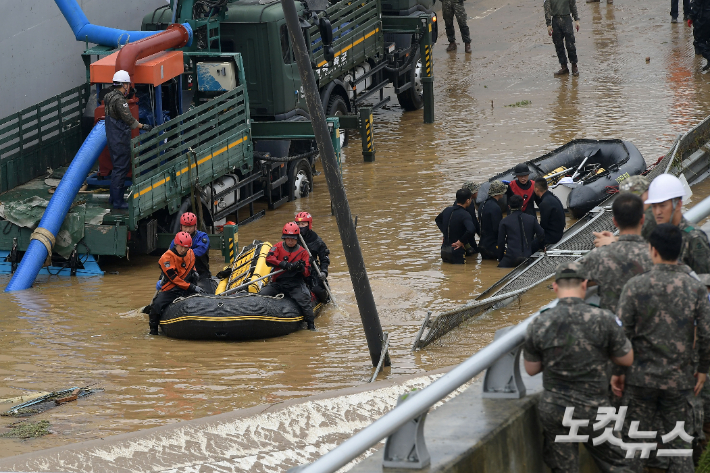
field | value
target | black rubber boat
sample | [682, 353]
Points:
[581, 173]
[244, 315]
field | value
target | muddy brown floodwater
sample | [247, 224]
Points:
[75, 332]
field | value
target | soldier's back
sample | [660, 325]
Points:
[695, 251]
[575, 342]
[611, 266]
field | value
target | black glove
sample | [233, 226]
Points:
[196, 289]
[225, 273]
[146, 127]
[323, 275]
[299, 266]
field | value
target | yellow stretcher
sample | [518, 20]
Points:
[249, 265]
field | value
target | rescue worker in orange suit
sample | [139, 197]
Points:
[292, 258]
[201, 248]
[178, 279]
[523, 186]
[319, 255]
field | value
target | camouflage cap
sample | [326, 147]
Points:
[497, 188]
[472, 186]
[571, 270]
[634, 184]
[704, 278]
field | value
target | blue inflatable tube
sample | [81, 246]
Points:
[102, 35]
[58, 207]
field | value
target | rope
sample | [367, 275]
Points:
[287, 159]
[45, 237]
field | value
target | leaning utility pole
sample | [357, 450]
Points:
[351, 246]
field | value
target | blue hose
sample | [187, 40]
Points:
[102, 35]
[58, 207]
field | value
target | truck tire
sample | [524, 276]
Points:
[300, 179]
[413, 98]
[337, 107]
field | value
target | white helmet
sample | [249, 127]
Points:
[665, 187]
[121, 77]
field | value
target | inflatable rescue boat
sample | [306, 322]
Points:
[582, 173]
[244, 315]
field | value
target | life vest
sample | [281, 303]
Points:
[176, 268]
[526, 194]
[278, 254]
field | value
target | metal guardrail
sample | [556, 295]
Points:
[416, 406]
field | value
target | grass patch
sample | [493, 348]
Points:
[522, 103]
[26, 430]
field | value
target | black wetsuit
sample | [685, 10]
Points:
[491, 216]
[472, 241]
[456, 225]
[515, 238]
[319, 253]
[552, 219]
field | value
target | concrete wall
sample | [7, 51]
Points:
[40, 56]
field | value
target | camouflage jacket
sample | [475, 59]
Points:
[611, 266]
[118, 109]
[649, 223]
[575, 341]
[695, 251]
[660, 311]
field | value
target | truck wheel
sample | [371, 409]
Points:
[300, 179]
[336, 108]
[413, 98]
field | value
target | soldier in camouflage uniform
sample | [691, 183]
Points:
[661, 311]
[665, 194]
[449, 9]
[613, 265]
[705, 397]
[572, 344]
[559, 26]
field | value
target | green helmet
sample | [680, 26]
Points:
[473, 187]
[634, 184]
[497, 188]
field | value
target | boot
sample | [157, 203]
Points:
[153, 329]
[452, 47]
[311, 326]
[592, 1]
[118, 202]
[575, 71]
[562, 72]
[467, 49]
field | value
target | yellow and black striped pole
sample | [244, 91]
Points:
[368, 145]
[427, 70]
[230, 236]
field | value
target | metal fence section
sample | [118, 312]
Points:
[577, 240]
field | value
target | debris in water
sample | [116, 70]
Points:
[26, 430]
[648, 58]
[522, 103]
[48, 401]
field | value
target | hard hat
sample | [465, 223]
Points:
[665, 187]
[634, 184]
[121, 77]
[497, 188]
[183, 239]
[188, 219]
[473, 187]
[522, 169]
[305, 217]
[291, 230]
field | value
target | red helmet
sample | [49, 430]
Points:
[305, 217]
[183, 239]
[188, 219]
[291, 230]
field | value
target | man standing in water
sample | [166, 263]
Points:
[559, 26]
[523, 186]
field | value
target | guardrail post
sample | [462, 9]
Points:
[406, 447]
[427, 71]
[503, 379]
[368, 145]
[230, 245]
